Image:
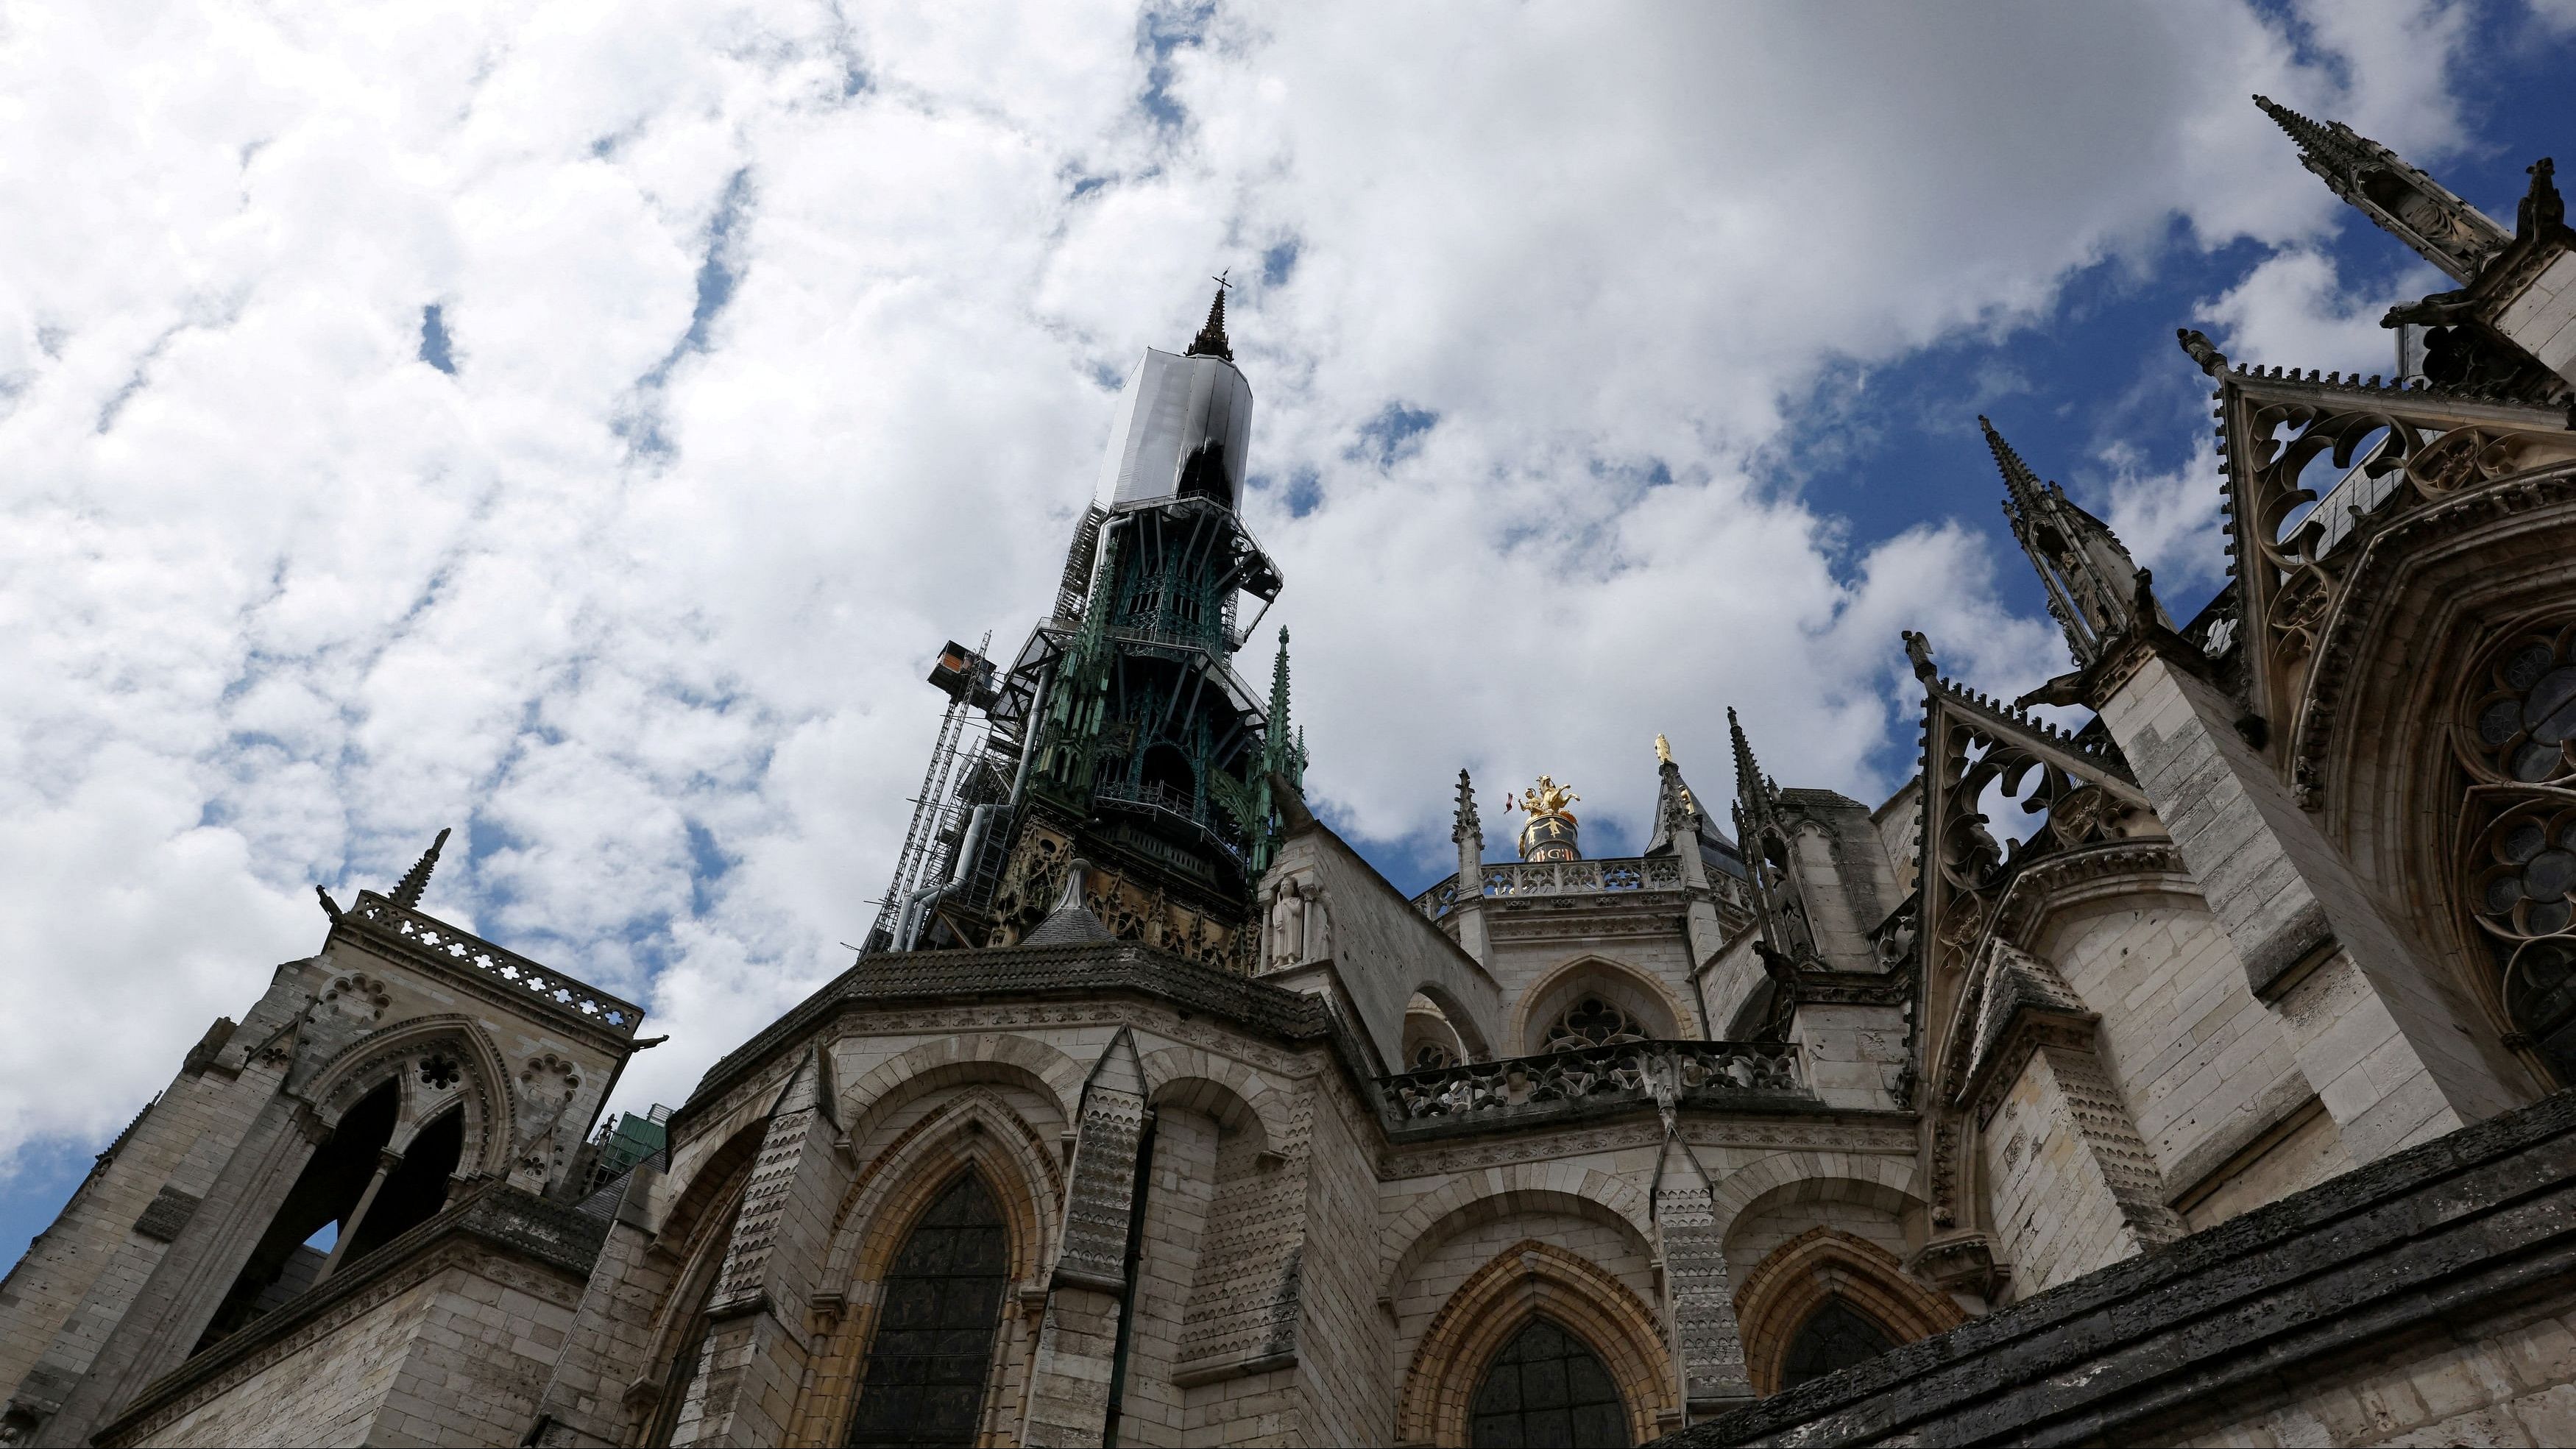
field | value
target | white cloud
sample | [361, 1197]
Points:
[649, 578]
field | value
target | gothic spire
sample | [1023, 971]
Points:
[1211, 339]
[416, 880]
[2402, 200]
[2091, 582]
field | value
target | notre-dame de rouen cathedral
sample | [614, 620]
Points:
[2209, 1097]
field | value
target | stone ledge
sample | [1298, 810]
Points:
[1027, 973]
[2475, 1218]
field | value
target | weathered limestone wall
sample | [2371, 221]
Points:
[2204, 1067]
[1341, 1334]
[1182, 1185]
[2373, 1029]
[454, 1350]
[1851, 1055]
[1385, 949]
[2055, 1212]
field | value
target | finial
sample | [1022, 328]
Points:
[1211, 339]
[1919, 650]
[1466, 823]
[407, 890]
[1663, 749]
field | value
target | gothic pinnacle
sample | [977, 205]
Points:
[1466, 823]
[2023, 484]
[1748, 771]
[407, 890]
[2319, 146]
[1211, 340]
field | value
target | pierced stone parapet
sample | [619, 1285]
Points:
[1665, 1072]
[379, 916]
[1519, 879]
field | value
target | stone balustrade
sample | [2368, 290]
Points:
[1679, 1071]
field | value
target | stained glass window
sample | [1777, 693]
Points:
[1835, 1336]
[933, 1346]
[1546, 1389]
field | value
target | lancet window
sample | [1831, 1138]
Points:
[1544, 1387]
[932, 1352]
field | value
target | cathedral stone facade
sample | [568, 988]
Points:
[2183, 1076]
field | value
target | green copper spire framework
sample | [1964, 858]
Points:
[1122, 738]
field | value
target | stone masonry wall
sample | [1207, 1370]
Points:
[2203, 1065]
[2055, 1214]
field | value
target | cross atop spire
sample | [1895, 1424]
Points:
[1211, 340]
[408, 890]
[2402, 200]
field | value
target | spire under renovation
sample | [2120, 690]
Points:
[2407, 203]
[407, 891]
[1211, 339]
[2092, 583]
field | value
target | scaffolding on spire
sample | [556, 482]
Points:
[967, 678]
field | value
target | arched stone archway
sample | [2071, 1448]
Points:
[1657, 1013]
[1801, 1276]
[1528, 1280]
[976, 1131]
[1486, 1196]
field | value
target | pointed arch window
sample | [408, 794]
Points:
[1545, 1388]
[1834, 1337]
[932, 1352]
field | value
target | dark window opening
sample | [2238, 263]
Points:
[1546, 1389]
[328, 1190]
[1834, 1337]
[1203, 474]
[1166, 770]
[415, 1191]
[933, 1346]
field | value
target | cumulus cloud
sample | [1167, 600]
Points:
[579, 423]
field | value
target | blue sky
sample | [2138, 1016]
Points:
[579, 428]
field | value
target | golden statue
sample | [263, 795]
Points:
[1549, 798]
[1663, 751]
